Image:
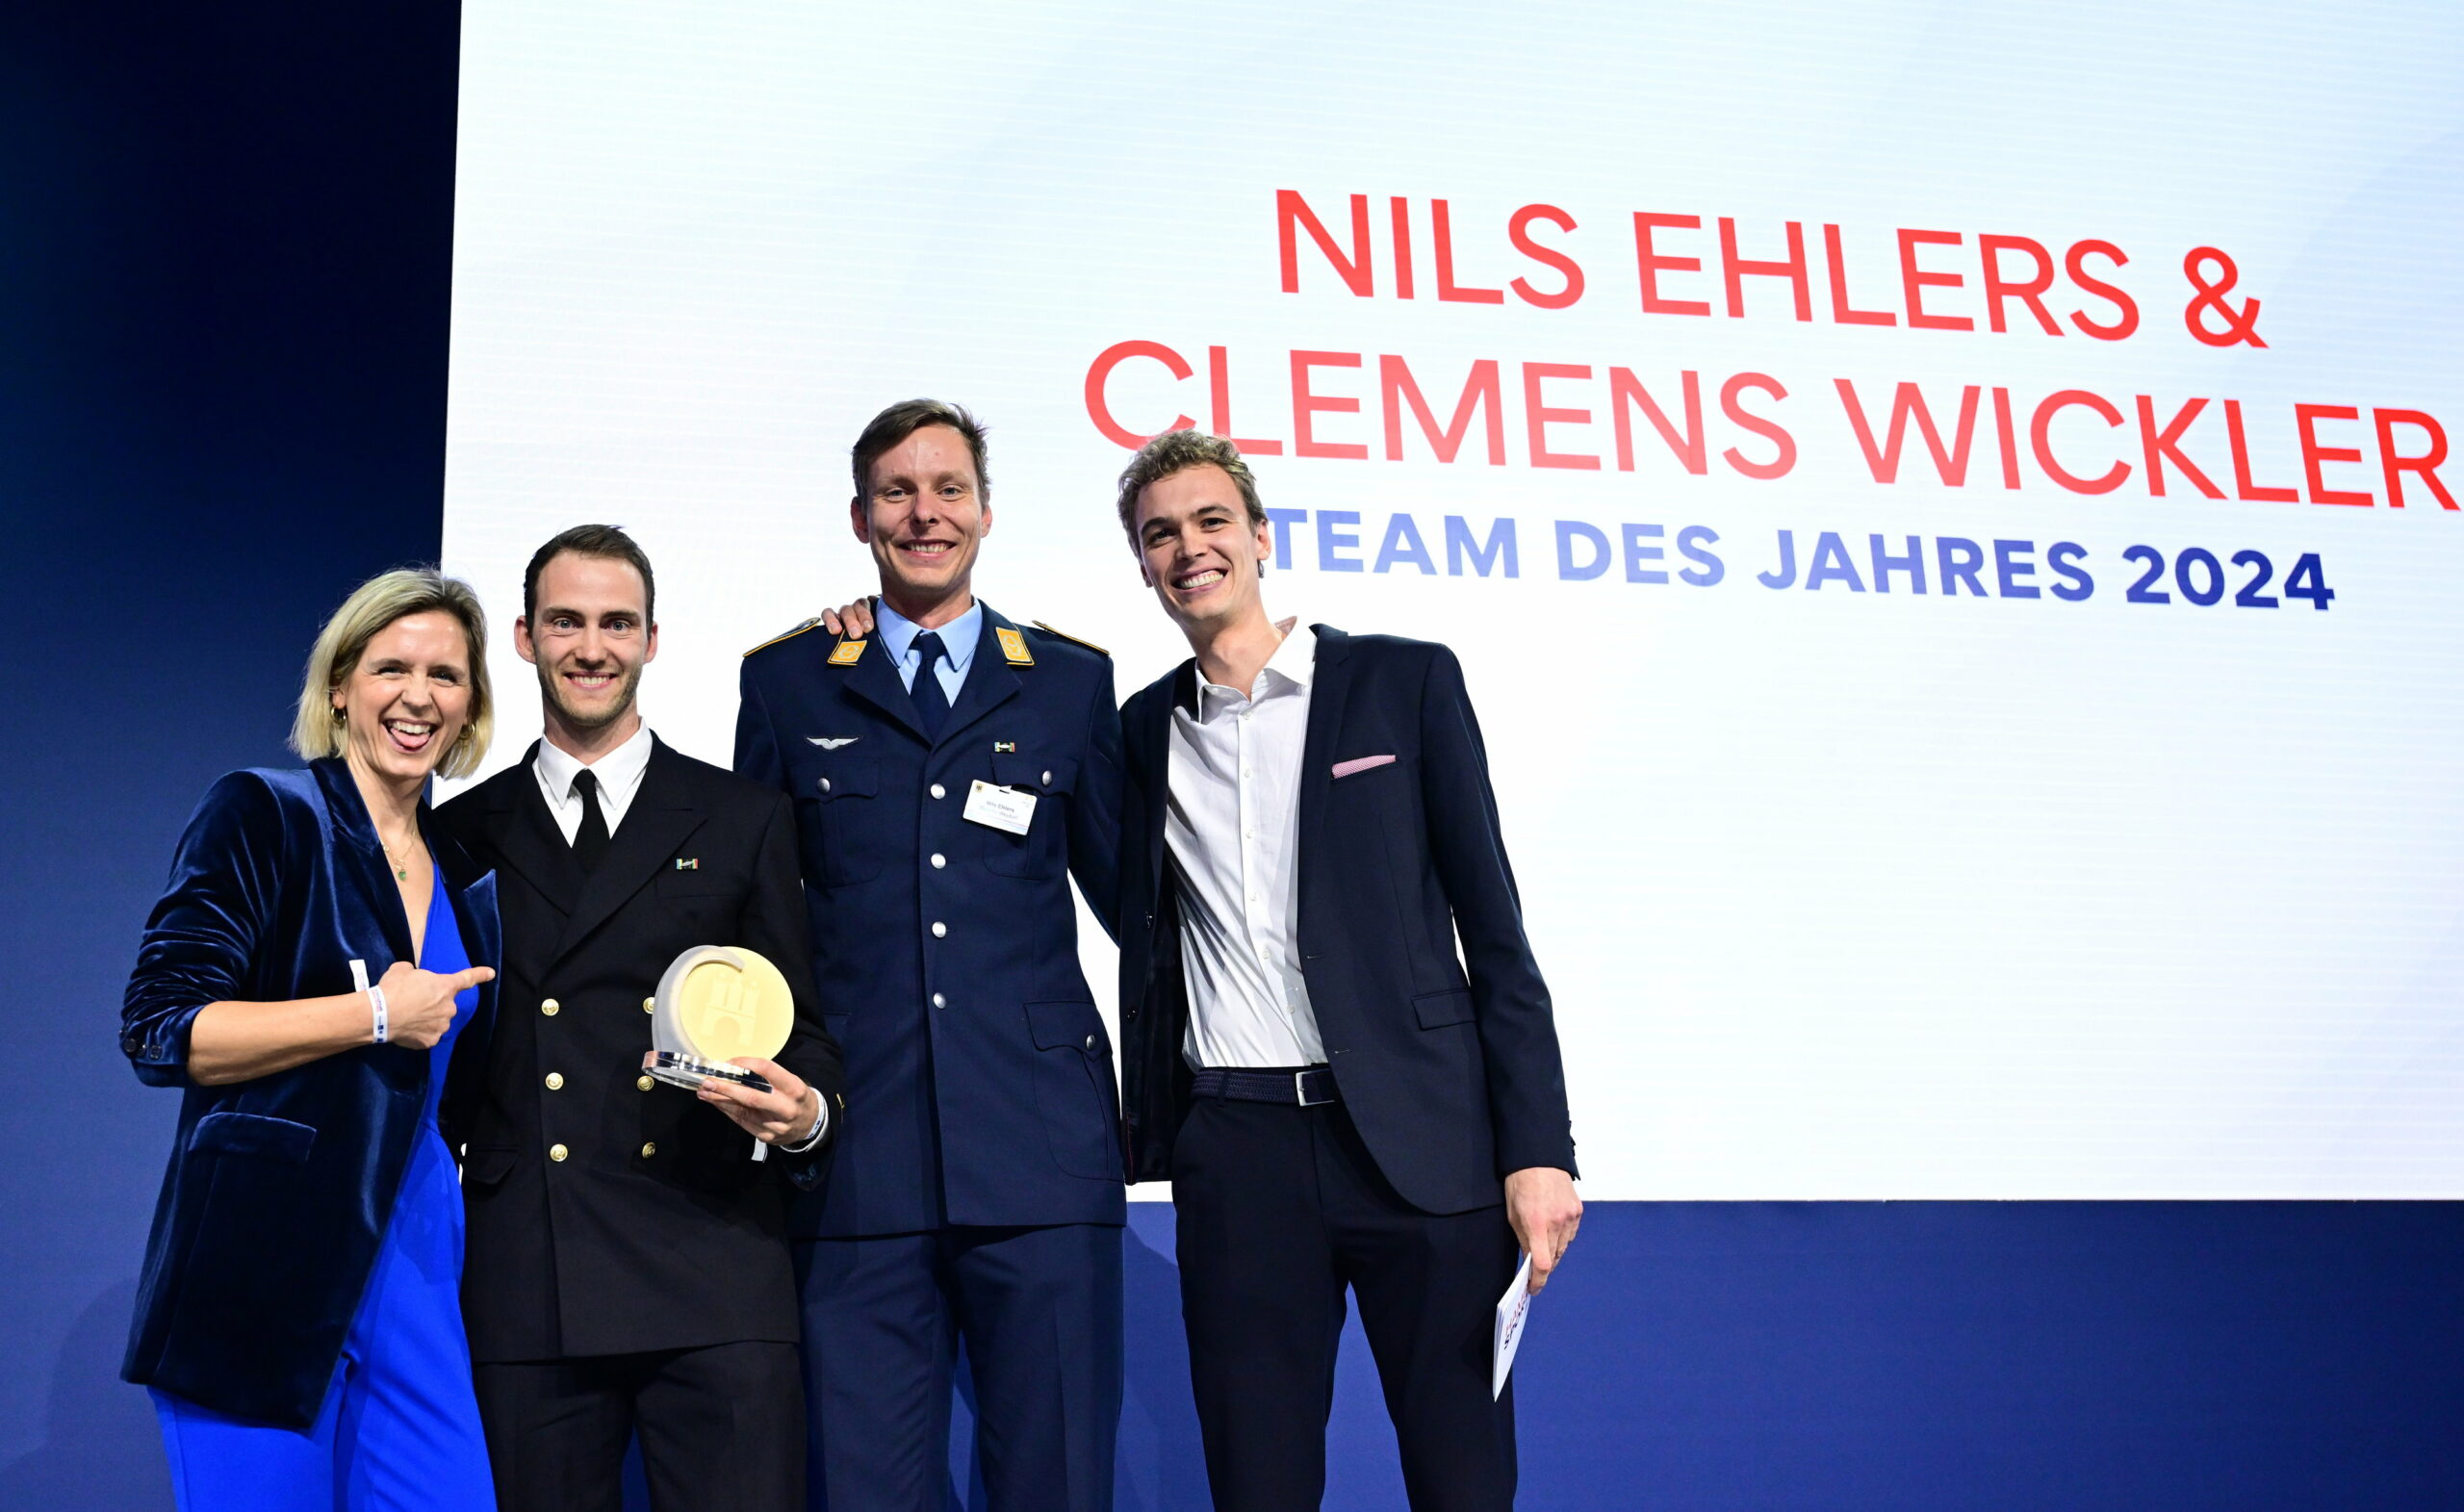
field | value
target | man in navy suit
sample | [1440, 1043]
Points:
[1339, 1098]
[951, 771]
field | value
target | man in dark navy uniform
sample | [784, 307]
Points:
[627, 1273]
[950, 770]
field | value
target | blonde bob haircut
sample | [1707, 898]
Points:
[373, 605]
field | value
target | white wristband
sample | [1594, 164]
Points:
[812, 1135]
[376, 1007]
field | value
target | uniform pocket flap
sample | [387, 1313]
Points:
[1437, 1010]
[834, 776]
[488, 1166]
[1034, 774]
[254, 1134]
[1074, 1024]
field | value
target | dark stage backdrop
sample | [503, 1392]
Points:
[225, 244]
[225, 240]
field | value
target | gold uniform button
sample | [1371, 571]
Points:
[549, 1007]
[649, 1150]
[642, 1082]
[649, 1004]
[555, 1152]
[555, 1080]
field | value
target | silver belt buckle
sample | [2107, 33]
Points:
[1300, 1090]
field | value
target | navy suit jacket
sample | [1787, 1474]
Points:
[279, 1188]
[1448, 1063]
[946, 952]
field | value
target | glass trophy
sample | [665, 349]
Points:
[716, 1002]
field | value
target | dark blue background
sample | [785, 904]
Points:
[225, 241]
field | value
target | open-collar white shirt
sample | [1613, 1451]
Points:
[620, 778]
[1232, 827]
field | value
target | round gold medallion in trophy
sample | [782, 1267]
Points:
[716, 1003]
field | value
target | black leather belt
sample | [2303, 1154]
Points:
[1311, 1086]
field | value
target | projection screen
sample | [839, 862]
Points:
[1962, 607]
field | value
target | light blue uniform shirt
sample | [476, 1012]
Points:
[898, 635]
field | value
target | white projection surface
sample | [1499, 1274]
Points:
[1986, 803]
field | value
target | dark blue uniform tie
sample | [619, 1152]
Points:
[931, 704]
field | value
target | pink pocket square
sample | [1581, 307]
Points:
[1360, 764]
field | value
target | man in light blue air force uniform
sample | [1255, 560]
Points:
[950, 770]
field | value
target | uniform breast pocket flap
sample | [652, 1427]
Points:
[825, 778]
[1034, 774]
[254, 1135]
[852, 834]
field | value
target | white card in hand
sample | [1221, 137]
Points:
[1001, 808]
[1512, 1309]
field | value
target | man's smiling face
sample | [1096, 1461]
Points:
[590, 638]
[924, 517]
[1199, 547]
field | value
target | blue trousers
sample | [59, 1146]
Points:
[400, 1426]
[1040, 1312]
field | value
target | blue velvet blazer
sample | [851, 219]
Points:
[279, 1189]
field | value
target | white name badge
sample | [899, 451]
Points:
[1001, 808]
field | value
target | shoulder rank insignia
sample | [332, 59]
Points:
[1014, 646]
[789, 635]
[846, 653]
[1071, 640]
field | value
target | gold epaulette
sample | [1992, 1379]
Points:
[1071, 640]
[789, 635]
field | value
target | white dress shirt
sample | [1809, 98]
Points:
[1232, 826]
[620, 777]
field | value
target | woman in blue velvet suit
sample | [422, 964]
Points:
[319, 957]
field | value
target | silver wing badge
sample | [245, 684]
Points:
[832, 742]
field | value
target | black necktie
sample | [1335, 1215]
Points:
[590, 842]
[931, 704]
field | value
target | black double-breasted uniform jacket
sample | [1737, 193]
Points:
[609, 1213]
